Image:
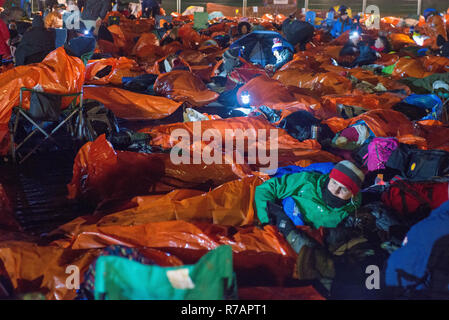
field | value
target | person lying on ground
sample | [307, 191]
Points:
[322, 200]
[36, 43]
[343, 24]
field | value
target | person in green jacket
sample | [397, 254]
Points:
[323, 200]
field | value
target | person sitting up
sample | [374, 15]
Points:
[320, 200]
[150, 8]
[343, 24]
[297, 32]
[282, 54]
[36, 43]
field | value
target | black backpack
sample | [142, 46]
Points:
[96, 120]
[419, 165]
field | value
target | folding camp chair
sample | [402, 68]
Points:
[41, 112]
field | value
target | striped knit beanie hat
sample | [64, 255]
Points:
[277, 44]
[346, 173]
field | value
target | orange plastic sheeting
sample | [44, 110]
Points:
[171, 48]
[33, 268]
[57, 73]
[408, 67]
[100, 172]
[400, 40]
[322, 83]
[387, 59]
[391, 20]
[194, 57]
[230, 204]
[147, 44]
[435, 133]
[122, 67]
[366, 101]
[131, 105]
[383, 123]
[288, 150]
[265, 91]
[182, 234]
[434, 27]
[42, 269]
[435, 64]
[202, 72]
[183, 86]
[189, 37]
[118, 36]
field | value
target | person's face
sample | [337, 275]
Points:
[339, 190]
[244, 30]
[277, 54]
[378, 43]
[344, 17]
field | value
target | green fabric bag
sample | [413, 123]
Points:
[122, 279]
[200, 20]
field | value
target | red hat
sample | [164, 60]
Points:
[346, 173]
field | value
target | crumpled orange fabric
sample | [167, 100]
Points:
[409, 67]
[177, 234]
[230, 204]
[322, 83]
[148, 43]
[435, 64]
[131, 105]
[118, 36]
[183, 86]
[382, 122]
[35, 268]
[57, 73]
[366, 101]
[42, 268]
[400, 40]
[121, 67]
[102, 173]
[189, 37]
[289, 150]
[435, 133]
[265, 91]
[434, 27]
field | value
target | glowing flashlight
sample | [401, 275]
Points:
[355, 34]
[86, 32]
[245, 98]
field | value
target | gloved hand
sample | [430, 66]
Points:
[280, 219]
